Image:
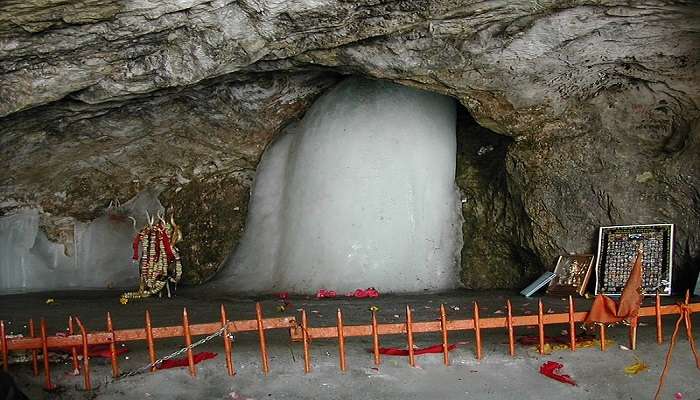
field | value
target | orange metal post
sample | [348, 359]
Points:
[572, 325]
[305, 336]
[45, 349]
[149, 340]
[188, 342]
[633, 333]
[261, 336]
[341, 341]
[509, 326]
[73, 349]
[35, 359]
[86, 355]
[659, 326]
[540, 325]
[112, 347]
[375, 339]
[601, 328]
[227, 343]
[409, 336]
[3, 342]
[443, 326]
[477, 330]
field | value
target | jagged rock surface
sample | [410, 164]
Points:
[496, 233]
[600, 98]
[200, 147]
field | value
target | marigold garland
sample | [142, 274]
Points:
[159, 261]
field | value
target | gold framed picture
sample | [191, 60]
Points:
[617, 246]
[571, 275]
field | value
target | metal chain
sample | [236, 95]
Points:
[172, 355]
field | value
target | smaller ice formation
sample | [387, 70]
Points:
[359, 194]
[101, 257]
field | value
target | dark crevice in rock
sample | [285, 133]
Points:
[496, 253]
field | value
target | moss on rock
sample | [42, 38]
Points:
[495, 253]
[211, 212]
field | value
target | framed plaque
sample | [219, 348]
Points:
[571, 275]
[617, 250]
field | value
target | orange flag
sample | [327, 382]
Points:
[605, 310]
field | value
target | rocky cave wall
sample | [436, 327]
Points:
[497, 233]
[198, 148]
[595, 102]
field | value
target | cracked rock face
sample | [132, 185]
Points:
[597, 102]
[199, 147]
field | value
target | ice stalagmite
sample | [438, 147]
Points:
[359, 194]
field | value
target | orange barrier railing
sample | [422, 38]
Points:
[305, 334]
[476, 324]
[149, 334]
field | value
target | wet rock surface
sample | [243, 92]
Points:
[213, 214]
[101, 99]
[497, 239]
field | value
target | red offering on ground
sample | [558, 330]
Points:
[364, 293]
[102, 351]
[182, 362]
[395, 351]
[325, 294]
[551, 369]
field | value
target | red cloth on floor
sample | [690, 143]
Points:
[182, 362]
[364, 293]
[395, 351]
[551, 369]
[323, 293]
[102, 351]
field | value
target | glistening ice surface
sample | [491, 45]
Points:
[359, 194]
[98, 254]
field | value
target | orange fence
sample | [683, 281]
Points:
[305, 333]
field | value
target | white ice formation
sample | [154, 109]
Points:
[359, 194]
[101, 255]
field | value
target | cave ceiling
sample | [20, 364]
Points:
[100, 99]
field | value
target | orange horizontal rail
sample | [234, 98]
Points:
[128, 335]
[465, 324]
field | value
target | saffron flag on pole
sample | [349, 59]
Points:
[605, 310]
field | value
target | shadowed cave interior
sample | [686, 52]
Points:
[488, 249]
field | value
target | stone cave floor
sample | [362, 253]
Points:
[599, 375]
